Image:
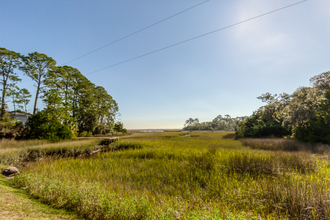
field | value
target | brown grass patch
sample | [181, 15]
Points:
[271, 164]
[281, 144]
[231, 136]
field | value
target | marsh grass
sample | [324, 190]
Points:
[184, 178]
[12, 143]
[15, 152]
[270, 164]
[231, 135]
[281, 144]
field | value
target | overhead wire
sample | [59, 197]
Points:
[199, 36]
[138, 31]
[133, 33]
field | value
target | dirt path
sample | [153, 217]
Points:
[16, 204]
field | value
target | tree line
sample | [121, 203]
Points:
[218, 123]
[72, 102]
[303, 115]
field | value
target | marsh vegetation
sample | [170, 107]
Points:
[172, 176]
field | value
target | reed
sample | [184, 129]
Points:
[204, 177]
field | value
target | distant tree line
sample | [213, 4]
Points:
[303, 115]
[218, 123]
[73, 104]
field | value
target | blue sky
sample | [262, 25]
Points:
[221, 73]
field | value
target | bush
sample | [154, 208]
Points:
[231, 136]
[256, 126]
[11, 130]
[119, 127]
[43, 125]
[85, 134]
[102, 129]
[315, 131]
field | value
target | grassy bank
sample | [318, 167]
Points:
[14, 152]
[170, 176]
[17, 204]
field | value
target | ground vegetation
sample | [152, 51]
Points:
[173, 176]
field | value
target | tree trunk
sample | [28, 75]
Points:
[3, 100]
[14, 102]
[37, 94]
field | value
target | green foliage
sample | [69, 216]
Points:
[43, 125]
[317, 130]
[9, 61]
[256, 126]
[72, 98]
[38, 66]
[85, 134]
[119, 127]
[10, 130]
[218, 123]
[76, 103]
[102, 129]
[303, 115]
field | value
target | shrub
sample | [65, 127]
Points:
[102, 129]
[256, 126]
[85, 134]
[231, 136]
[315, 131]
[43, 125]
[11, 130]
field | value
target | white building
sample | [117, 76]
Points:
[20, 116]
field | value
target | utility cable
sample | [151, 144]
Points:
[199, 36]
[138, 31]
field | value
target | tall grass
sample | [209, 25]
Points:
[184, 178]
[14, 152]
[270, 164]
[12, 143]
[281, 144]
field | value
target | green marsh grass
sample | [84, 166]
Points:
[198, 177]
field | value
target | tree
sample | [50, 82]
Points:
[106, 106]
[14, 92]
[37, 66]
[303, 114]
[317, 129]
[84, 105]
[301, 107]
[66, 79]
[321, 81]
[25, 96]
[119, 127]
[9, 61]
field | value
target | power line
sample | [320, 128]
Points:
[138, 31]
[194, 38]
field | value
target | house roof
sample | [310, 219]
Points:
[16, 113]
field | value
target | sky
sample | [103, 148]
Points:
[220, 73]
